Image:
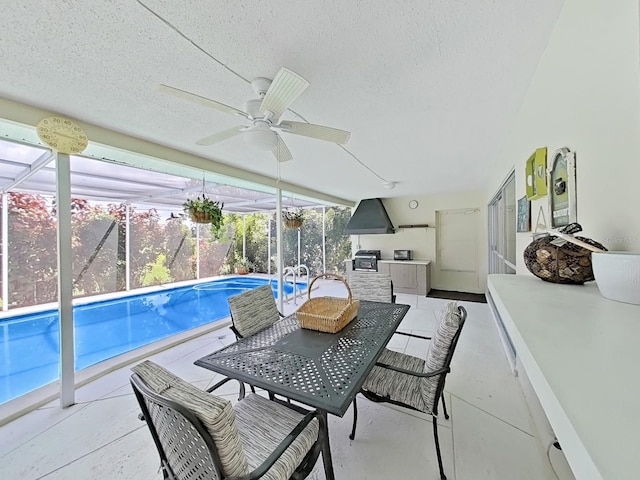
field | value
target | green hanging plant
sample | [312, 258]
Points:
[204, 210]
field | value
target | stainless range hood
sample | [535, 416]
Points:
[369, 218]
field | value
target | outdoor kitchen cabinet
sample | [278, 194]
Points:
[408, 276]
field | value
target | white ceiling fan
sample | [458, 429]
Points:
[264, 112]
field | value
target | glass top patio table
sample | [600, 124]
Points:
[321, 370]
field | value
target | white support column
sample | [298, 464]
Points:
[5, 251]
[280, 247]
[244, 236]
[324, 240]
[65, 280]
[298, 247]
[127, 247]
[198, 251]
[269, 246]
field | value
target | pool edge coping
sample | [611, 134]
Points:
[35, 399]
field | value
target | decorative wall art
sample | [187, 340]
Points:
[524, 215]
[562, 182]
[536, 174]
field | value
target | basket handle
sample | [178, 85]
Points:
[329, 275]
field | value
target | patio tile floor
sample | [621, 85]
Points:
[489, 435]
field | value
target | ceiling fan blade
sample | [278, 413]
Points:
[207, 102]
[284, 89]
[281, 151]
[220, 136]
[320, 132]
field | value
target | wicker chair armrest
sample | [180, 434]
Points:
[282, 447]
[413, 373]
[412, 335]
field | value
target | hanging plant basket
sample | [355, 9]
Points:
[294, 223]
[199, 217]
[204, 210]
[293, 219]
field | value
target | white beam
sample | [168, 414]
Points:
[324, 239]
[5, 251]
[41, 162]
[65, 280]
[127, 248]
[244, 237]
[279, 247]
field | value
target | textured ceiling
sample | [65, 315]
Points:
[427, 88]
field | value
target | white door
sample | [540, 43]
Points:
[457, 253]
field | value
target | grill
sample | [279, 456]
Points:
[366, 260]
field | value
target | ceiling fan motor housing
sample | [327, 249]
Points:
[252, 107]
[260, 86]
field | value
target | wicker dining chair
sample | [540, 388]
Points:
[412, 382]
[251, 312]
[200, 436]
[376, 287]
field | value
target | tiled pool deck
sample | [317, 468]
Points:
[489, 435]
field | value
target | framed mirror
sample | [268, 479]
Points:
[562, 188]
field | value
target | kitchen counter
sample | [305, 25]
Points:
[406, 262]
[408, 276]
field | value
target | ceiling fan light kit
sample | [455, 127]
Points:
[264, 113]
[261, 137]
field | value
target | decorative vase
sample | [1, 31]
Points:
[568, 263]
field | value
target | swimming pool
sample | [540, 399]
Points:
[30, 344]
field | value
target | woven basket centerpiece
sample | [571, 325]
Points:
[327, 314]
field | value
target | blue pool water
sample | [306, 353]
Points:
[30, 346]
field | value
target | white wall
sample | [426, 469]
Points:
[584, 95]
[422, 241]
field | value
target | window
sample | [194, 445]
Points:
[502, 228]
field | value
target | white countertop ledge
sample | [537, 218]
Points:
[581, 353]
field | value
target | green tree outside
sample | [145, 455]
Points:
[161, 251]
